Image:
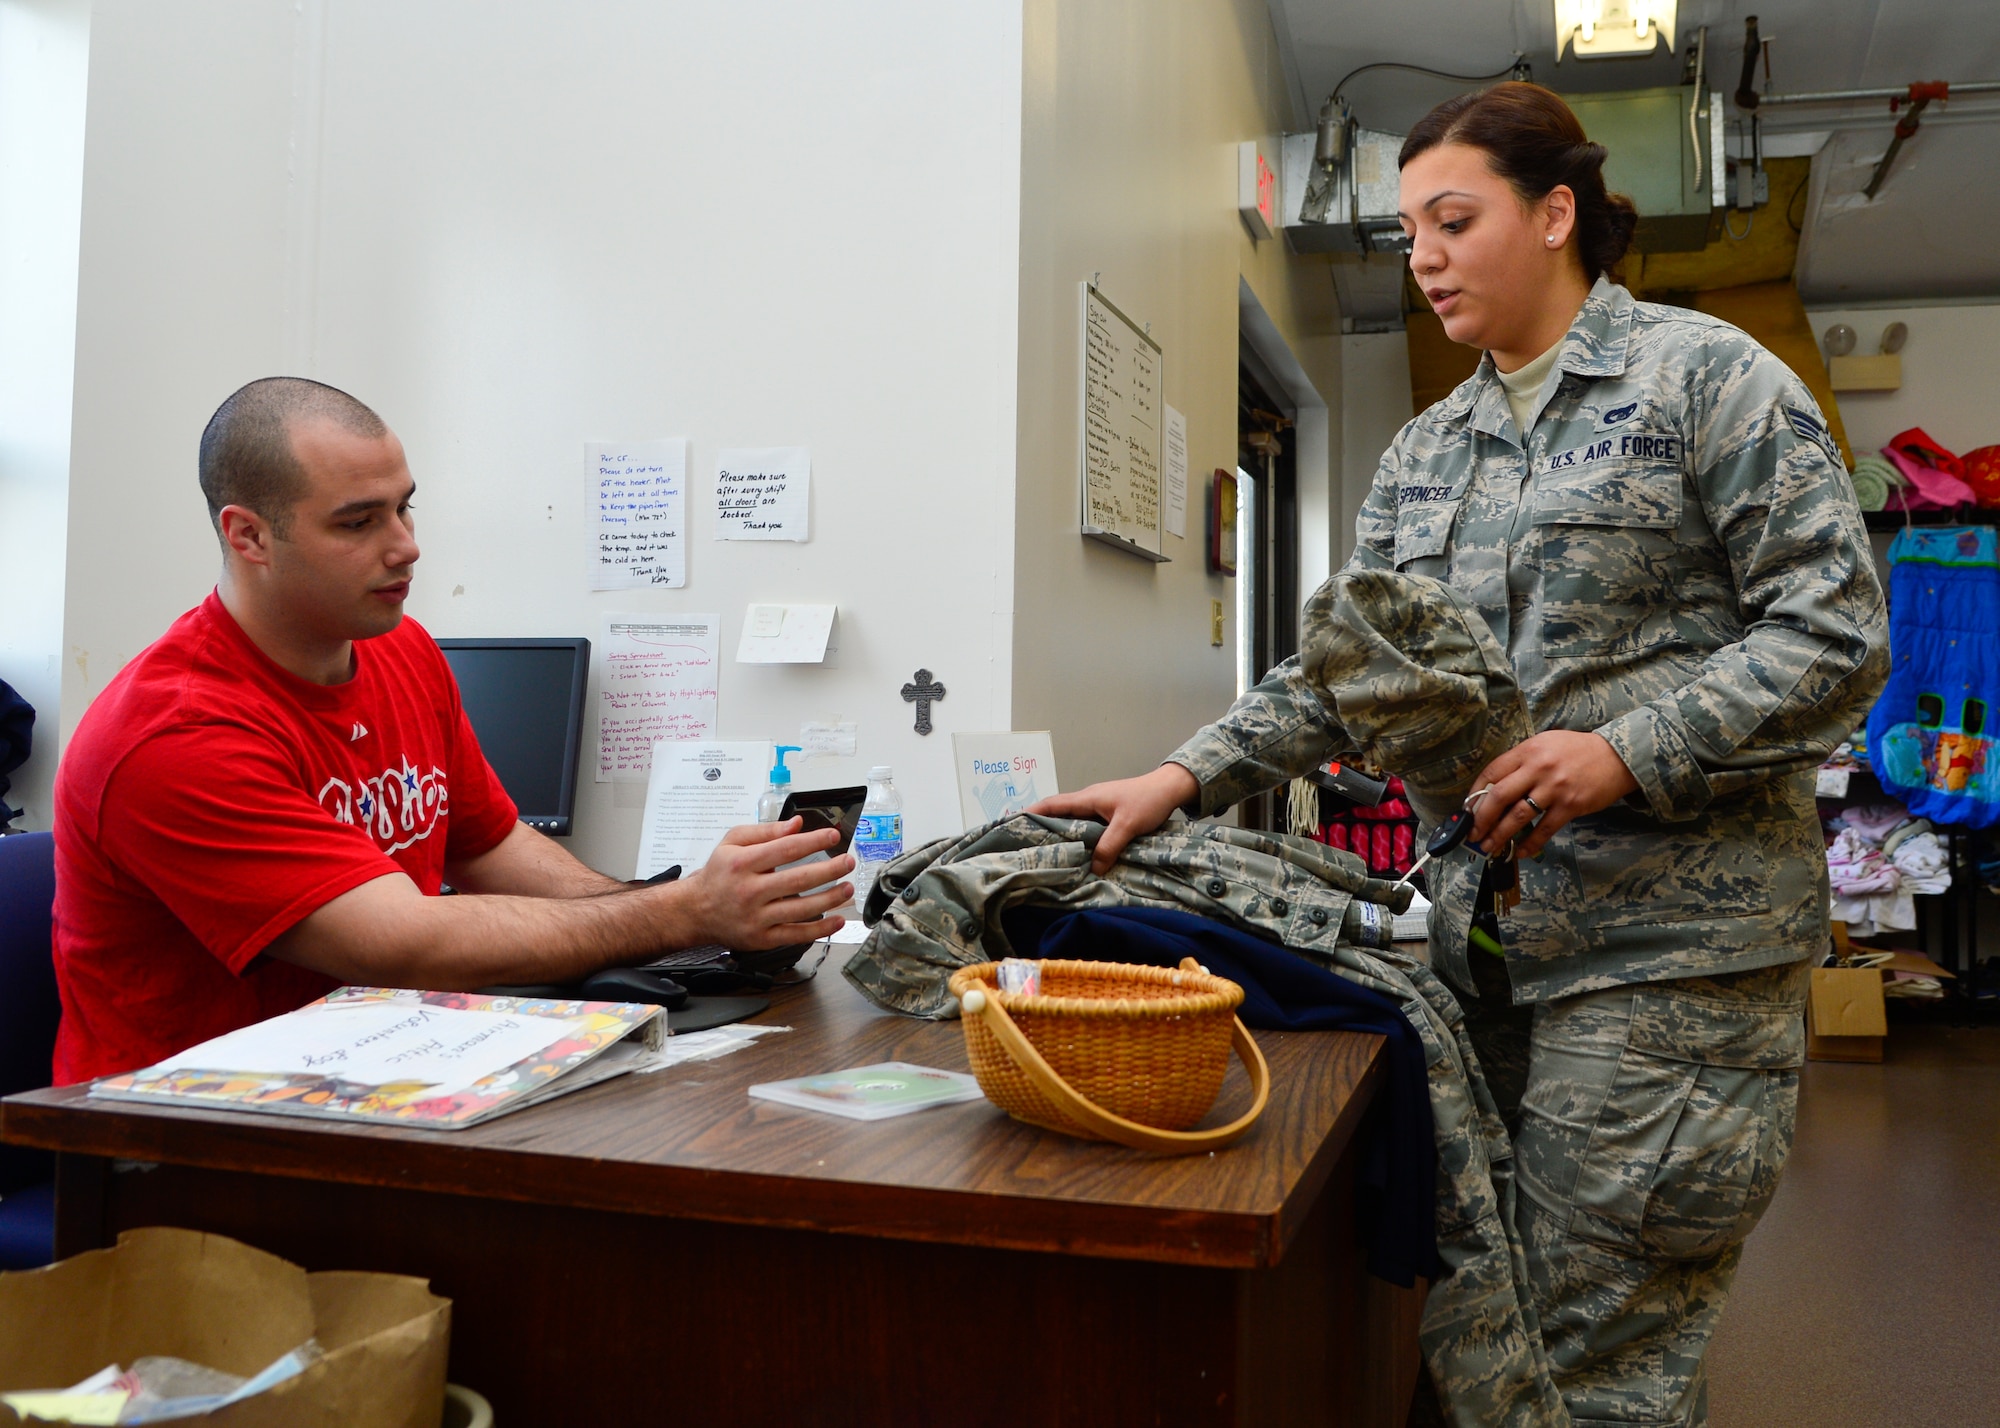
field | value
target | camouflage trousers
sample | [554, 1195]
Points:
[1649, 1124]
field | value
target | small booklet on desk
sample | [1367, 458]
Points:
[873, 1093]
[442, 1060]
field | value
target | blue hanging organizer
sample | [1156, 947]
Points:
[1930, 735]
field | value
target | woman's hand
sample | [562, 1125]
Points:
[1567, 774]
[1128, 806]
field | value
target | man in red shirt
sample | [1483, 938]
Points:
[265, 803]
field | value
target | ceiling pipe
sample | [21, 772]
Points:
[1918, 95]
[1929, 89]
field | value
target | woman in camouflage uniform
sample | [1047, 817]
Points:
[1646, 507]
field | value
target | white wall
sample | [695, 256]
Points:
[44, 58]
[1375, 402]
[1951, 374]
[514, 226]
[1132, 113]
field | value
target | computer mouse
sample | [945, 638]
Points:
[630, 984]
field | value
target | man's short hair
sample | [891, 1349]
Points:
[246, 449]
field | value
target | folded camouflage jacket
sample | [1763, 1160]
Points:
[939, 907]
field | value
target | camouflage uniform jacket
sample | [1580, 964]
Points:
[938, 908]
[1672, 558]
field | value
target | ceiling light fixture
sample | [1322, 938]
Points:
[1602, 29]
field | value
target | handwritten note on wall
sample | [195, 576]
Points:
[639, 494]
[656, 681]
[761, 493]
[1121, 426]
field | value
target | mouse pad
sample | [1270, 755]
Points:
[705, 1013]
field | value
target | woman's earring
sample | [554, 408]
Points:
[1552, 238]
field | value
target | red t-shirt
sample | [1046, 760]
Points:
[210, 800]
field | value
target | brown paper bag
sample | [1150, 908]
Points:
[214, 1301]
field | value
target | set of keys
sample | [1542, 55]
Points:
[1503, 873]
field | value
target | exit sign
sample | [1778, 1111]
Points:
[1256, 189]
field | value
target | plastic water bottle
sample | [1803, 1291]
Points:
[879, 836]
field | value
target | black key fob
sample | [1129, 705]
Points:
[1449, 834]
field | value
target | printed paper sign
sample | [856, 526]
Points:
[698, 792]
[1000, 774]
[1177, 472]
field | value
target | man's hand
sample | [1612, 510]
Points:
[1128, 807]
[386, 933]
[1567, 774]
[747, 899]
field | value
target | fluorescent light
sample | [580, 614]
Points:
[1596, 29]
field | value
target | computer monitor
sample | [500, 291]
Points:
[525, 701]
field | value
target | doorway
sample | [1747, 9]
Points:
[1267, 541]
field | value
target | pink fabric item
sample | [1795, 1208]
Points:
[1928, 488]
[1857, 868]
[1919, 445]
[1875, 821]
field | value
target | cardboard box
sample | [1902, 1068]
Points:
[1846, 1017]
[214, 1301]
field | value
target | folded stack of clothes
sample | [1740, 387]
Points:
[1874, 480]
[1879, 859]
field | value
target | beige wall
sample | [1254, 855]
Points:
[1949, 387]
[1132, 111]
[513, 227]
[1375, 398]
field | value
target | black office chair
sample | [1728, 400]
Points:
[29, 1011]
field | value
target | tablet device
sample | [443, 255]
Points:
[838, 808]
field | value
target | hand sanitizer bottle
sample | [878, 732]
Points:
[879, 836]
[771, 802]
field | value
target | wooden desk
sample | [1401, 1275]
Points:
[731, 1261]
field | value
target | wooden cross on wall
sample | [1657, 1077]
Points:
[923, 693]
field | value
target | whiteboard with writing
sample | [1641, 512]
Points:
[1122, 420]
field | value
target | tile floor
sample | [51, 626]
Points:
[1869, 1297]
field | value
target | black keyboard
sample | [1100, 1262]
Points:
[689, 957]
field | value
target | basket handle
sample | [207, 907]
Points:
[1116, 1128]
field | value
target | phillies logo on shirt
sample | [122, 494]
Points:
[397, 807]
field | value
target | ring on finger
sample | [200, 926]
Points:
[1529, 799]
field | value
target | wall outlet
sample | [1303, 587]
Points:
[1215, 623]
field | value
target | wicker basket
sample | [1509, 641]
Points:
[1111, 1052]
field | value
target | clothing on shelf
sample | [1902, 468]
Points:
[1879, 859]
